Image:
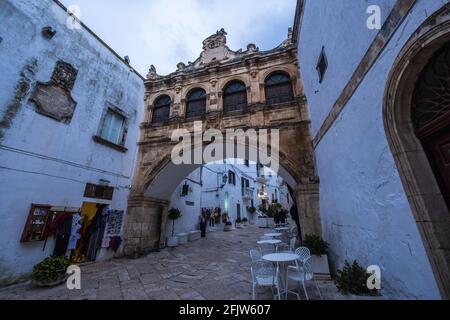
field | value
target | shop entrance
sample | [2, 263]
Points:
[91, 232]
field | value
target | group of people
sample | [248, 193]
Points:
[212, 217]
[209, 217]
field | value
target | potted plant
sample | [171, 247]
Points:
[228, 226]
[174, 214]
[274, 212]
[263, 219]
[50, 272]
[352, 280]
[238, 223]
[245, 222]
[319, 252]
[251, 210]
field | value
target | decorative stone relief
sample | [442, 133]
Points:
[152, 75]
[53, 99]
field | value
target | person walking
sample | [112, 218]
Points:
[295, 217]
[203, 221]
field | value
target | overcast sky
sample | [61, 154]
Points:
[165, 32]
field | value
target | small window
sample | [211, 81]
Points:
[322, 65]
[234, 97]
[278, 88]
[196, 104]
[231, 178]
[113, 127]
[161, 109]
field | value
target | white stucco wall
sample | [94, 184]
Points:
[190, 213]
[364, 211]
[48, 162]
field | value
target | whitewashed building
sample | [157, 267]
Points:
[232, 186]
[70, 109]
[375, 78]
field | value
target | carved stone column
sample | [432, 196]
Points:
[143, 229]
[307, 196]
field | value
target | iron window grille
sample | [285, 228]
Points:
[235, 97]
[278, 88]
[161, 110]
[196, 104]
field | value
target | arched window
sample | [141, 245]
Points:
[431, 99]
[196, 103]
[234, 96]
[278, 88]
[161, 110]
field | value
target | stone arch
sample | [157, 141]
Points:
[422, 190]
[161, 94]
[153, 177]
[144, 228]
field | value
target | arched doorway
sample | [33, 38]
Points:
[144, 229]
[417, 124]
[431, 116]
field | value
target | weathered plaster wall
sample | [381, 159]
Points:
[35, 150]
[365, 214]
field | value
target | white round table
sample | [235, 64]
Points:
[282, 229]
[269, 242]
[273, 235]
[283, 259]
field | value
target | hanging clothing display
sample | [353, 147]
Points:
[75, 235]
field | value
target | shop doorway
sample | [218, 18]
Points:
[92, 232]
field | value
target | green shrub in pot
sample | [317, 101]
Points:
[316, 245]
[352, 279]
[51, 270]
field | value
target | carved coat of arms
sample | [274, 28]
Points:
[54, 99]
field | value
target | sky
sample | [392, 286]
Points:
[166, 32]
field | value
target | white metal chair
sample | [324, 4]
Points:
[265, 274]
[255, 255]
[301, 274]
[288, 248]
[303, 252]
[267, 248]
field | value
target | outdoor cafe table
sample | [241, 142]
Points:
[282, 229]
[273, 235]
[282, 259]
[269, 242]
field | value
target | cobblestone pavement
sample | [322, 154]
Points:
[215, 268]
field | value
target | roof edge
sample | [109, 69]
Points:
[63, 7]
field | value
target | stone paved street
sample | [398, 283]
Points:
[215, 268]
